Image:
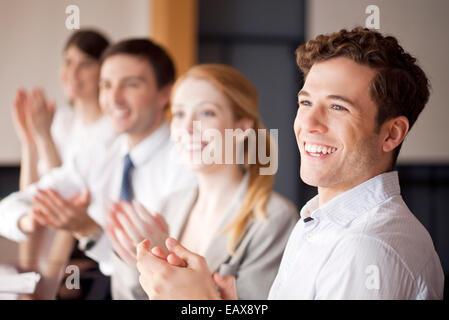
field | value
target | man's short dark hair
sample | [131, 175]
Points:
[154, 54]
[400, 87]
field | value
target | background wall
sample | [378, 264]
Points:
[259, 39]
[421, 27]
[33, 34]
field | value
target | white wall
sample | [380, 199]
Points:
[421, 27]
[32, 36]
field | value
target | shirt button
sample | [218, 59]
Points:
[309, 237]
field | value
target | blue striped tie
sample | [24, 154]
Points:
[126, 189]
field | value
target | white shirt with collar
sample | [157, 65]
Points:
[158, 171]
[363, 244]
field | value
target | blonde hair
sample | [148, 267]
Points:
[244, 101]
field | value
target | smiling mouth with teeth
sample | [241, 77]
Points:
[318, 150]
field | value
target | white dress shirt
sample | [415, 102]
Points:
[363, 244]
[70, 134]
[157, 172]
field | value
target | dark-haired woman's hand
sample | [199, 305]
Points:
[21, 117]
[41, 114]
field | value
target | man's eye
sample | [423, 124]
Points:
[304, 103]
[85, 64]
[339, 108]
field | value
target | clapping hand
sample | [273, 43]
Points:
[180, 274]
[130, 223]
[21, 117]
[41, 113]
[50, 209]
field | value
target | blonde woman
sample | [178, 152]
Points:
[233, 218]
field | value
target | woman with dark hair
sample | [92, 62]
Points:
[50, 136]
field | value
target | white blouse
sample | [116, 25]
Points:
[70, 134]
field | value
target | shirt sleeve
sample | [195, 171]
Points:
[260, 264]
[67, 180]
[102, 253]
[364, 268]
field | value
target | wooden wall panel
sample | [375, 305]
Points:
[174, 25]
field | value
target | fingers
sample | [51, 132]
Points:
[228, 290]
[85, 196]
[51, 107]
[147, 262]
[55, 198]
[81, 199]
[126, 247]
[46, 208]
[39, 98]
[19, 112]
[28, 224]
[128, 257]
[138, 224]
[145, 216]
[143, 249]
[161, 223]
[128, 227]
[193, 260]
[159, 252]
[43, 219]
[20, 98]
[174, 260]
[171, 258]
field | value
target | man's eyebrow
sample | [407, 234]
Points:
[127, 78]
[140, 78]
[303, 93]
[341, 98]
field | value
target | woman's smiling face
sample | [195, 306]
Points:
[198, 106]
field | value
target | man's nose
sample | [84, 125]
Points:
[315, 120]
[117, 94]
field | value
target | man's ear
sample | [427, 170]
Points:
[164, 95]
[244, 124]
[395, 131]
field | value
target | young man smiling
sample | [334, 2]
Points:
[142, 165]
[356, 239]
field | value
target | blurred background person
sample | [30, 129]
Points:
[49, 136]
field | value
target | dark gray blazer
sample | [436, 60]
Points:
[257, 257]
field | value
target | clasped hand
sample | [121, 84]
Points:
[180, 274]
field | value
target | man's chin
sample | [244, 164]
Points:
[119, 128]
[313, 180]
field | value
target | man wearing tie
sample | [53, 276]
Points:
[135, 83]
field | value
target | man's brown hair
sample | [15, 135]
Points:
[146, 49]
[400, 87]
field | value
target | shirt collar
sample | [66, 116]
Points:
[347, 206]
[142, 152]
